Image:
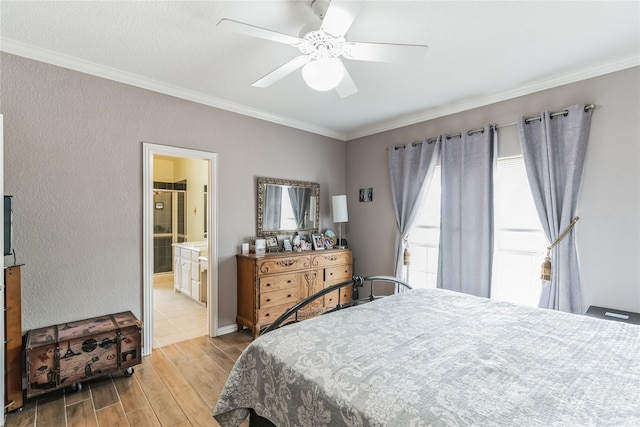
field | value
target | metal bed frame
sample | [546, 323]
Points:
[357, 283]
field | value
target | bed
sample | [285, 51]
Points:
[434, 357]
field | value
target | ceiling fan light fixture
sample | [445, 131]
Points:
[323, 74]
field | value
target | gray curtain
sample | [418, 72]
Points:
[466, 216]
[300, 198]
[411, 168]
[554, 149]
[273, 207]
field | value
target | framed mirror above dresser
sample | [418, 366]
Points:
[287, 207]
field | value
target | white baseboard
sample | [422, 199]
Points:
[226, 330]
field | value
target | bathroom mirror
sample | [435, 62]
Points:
[286, 206]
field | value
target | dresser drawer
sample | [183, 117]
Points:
[287, 296]
[270, 314]
[333, 275]
[331, 299]
[280, 281]
[331, 258]
[282, 264]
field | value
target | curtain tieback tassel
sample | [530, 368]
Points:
[546, 268]
[546, 265]
[407, 256]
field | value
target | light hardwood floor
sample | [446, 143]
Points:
[178, 385]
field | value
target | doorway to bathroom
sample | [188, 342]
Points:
[180, 285]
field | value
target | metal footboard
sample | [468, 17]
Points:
[360, 285]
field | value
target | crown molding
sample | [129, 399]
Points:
[72, 63]
[481, 101]
[76, 64]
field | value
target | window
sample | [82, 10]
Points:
[424, 238]
[519, 240]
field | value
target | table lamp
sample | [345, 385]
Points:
[340, 214]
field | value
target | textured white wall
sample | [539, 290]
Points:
[73, 161]
[608, 233]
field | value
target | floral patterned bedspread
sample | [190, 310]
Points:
[435, 357]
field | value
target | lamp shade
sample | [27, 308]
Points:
[323, 74]
[339, 208]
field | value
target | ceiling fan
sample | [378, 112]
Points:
[322, 68]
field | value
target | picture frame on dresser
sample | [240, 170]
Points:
[328, 244]
[318, 241]
[272, 243]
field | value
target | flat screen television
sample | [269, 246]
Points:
[8, 225]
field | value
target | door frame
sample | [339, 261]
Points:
[150, 150]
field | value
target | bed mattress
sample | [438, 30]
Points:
[435, 357]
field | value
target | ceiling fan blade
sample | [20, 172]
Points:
[346, 87]
[252, 30]
[386, 52]
[339, 17]
[282, 71]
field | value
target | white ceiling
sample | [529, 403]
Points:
[479, 53]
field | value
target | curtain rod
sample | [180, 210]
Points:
[471, 132]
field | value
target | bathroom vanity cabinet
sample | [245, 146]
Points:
[188, 260]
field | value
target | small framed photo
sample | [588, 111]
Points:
[287, 245]
[272, 243]
[318, 241]
[328, 244]
[366, 194]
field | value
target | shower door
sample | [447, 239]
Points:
[168, 227]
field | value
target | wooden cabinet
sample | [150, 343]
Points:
[269, 284]
[186, 269]
[13, 339]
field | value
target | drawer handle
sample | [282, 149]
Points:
[289, 281]
[268, 299]
[267, 315]
[268, 284]
[289, 296]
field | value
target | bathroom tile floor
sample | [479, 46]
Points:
[176, 317]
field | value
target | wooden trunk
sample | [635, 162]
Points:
[64, 355]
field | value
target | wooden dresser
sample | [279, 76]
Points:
[269, 284]
[13, 339]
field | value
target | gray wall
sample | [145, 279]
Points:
[73, 161]
[608, 233]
